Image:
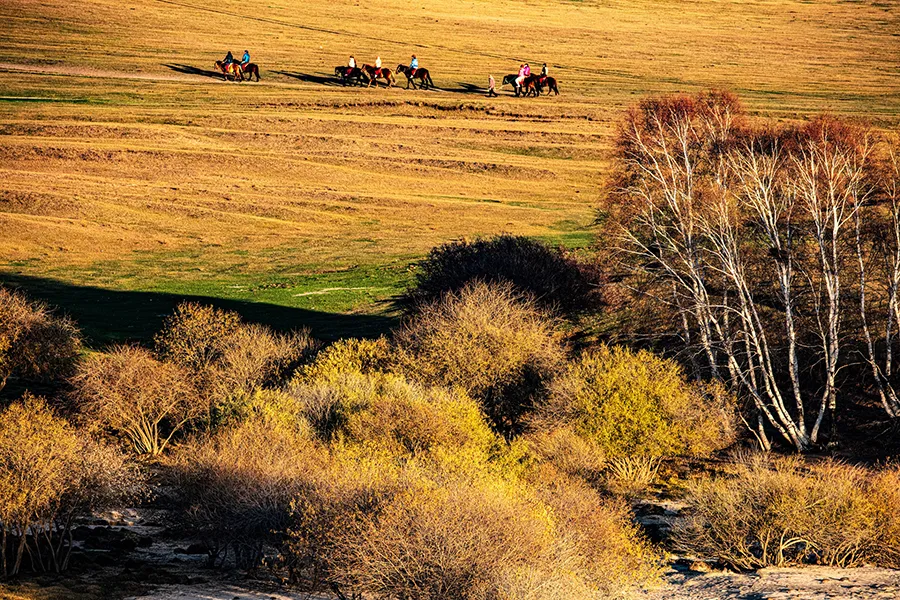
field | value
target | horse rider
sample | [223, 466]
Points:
[245, 60]
[522, 75]
[351, 65]
[377, 66]
[229, 58]
[413, 66]
[544, 70]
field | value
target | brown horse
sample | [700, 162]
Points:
[233, 69]
[548, 81]
[251, 69]
[352, 76]
[383, 73]
[421, 74]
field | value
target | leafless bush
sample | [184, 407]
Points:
[132, 394]
[779, 511]
[49, 475]
[631, 475]
[34, 343]
[489, 341]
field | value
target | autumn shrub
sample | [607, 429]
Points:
[556, 280]
[235, 486]
[781, 511]
[35, 344]
[349, 355]
[130, 393]
[489, 341]
[388, 413]
[631, 475]
[227, 357]
[599, 539]
[568, 452]
[49, 475]
[637, 403]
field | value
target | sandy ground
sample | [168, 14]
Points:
[809, 583]
[813, 583]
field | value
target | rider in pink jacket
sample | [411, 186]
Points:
[521, 76]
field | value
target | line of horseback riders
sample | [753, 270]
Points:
[526, 83]
[368, 75]
[234, 69]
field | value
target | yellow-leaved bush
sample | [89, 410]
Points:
[629, 402]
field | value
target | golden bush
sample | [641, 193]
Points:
[637, 403]
[136, 396]
[35, 344]
[236, 485]
[780, 511]
[349, 356]
[489, 341]
[50, 474]
[229, 358]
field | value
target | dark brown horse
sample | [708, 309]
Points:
[528, 86]
[421, 74]
[350, 75]
[374, 74]
[549, 82]
[251, 69]
[233, 69]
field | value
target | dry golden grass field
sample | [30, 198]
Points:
[131, 175]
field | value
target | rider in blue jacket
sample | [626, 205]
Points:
[413, 65]
[246, 58]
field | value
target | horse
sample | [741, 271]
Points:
[233, 69]
[530, 86]
[350, 75]
[548, 81]
[251, 69]
[422, 74]
[374, 74]
[511, 80]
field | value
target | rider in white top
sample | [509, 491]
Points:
[352, 63]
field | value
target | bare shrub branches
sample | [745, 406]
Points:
[133, 394]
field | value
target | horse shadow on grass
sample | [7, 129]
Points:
[189, 70]
[310, 78]
[118, 316]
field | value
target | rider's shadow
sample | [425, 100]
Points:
[308, 78]
[189, 70]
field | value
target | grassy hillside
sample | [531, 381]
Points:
[130, 176]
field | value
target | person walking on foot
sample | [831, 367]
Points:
[492, 93]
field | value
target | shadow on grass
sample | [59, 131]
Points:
[309, 78]
[189, 70]
[107, 316]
